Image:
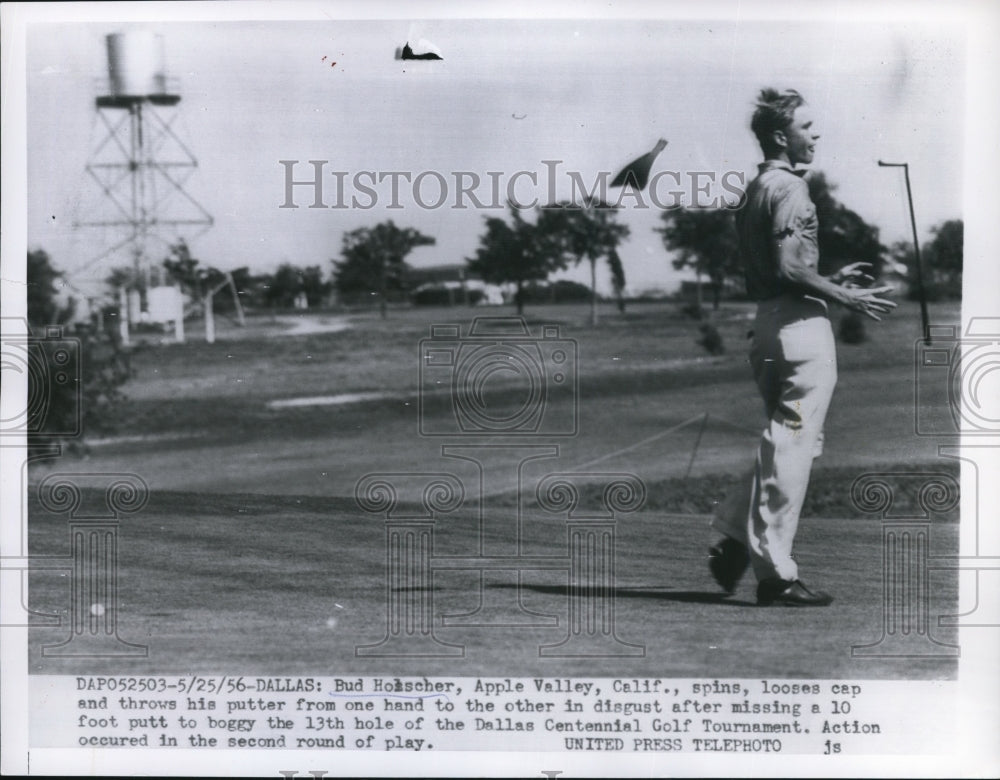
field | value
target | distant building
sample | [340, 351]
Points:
[450, 285]
[732, 289]
[432, 274]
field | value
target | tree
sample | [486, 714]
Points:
[705, 240]
[102, 366]
[942, 262]
[373, 261]
[125, 276]
[43, 308]
[285, 285]
[282, 286]
[617, 278]
[588, 231]
[312, 284]
[515, 253]
[844, 237]
[248, 288]
[201, 282]
[947, 246]
[944, 258]
[184, 269]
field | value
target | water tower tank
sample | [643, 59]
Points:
[136, 64]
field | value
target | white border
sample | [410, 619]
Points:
[979, 682]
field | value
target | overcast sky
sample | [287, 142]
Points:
[508, 95]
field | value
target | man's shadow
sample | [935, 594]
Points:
[655, 594]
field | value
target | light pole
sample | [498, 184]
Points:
[921, 293]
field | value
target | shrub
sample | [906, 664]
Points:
[103, 368]
[692, 310]
[711, 339]
[852, 328]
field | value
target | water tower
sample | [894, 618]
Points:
[141, 167]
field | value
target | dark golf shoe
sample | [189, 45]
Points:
[727, 561]
[789, 593]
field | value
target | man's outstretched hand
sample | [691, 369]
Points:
[867, 301]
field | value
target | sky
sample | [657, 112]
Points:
[508, 95]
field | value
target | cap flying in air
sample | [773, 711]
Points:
[636, 173]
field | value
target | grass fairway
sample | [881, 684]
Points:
[275, 585]
[252, 557]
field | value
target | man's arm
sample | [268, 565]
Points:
[792, 270]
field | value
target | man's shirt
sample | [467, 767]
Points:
[777, 206]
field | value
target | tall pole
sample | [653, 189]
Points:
[141, 217]
[921, 292]
[236, 300]
[123, 315]
[209, 318]
[179, 319]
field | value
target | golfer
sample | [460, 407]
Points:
[792, 354]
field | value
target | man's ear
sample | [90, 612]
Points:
[780, 139]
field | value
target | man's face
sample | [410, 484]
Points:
[801, 137]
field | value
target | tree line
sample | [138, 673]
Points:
[525, 248]
[522, 250]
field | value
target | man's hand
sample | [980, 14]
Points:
[860, 299]
[853, 274]
[867, 302]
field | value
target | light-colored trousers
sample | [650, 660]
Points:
[794, 361]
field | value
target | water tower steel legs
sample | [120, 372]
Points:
[139, 164]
